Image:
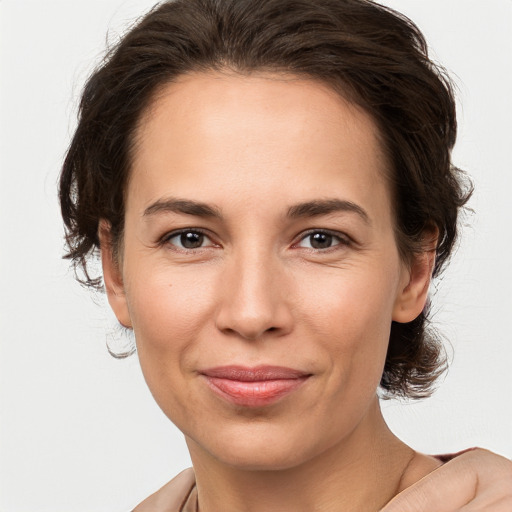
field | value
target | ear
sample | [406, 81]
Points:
[112, 276]
[413, 293]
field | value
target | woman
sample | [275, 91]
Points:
[270, 186]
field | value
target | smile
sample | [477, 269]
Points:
[253, 387]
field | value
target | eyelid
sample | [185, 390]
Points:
[343, 238]
[176, 232]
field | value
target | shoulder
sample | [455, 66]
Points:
[172, 496]
[419, 466]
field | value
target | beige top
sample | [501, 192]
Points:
[178, 495]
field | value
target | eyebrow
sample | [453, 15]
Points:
[186, 206]
[313, 208]
[326, 206]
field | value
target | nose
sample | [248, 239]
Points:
[255, 303]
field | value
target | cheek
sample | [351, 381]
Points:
[351, 311]
[169, 310]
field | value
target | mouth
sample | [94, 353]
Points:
[254, 387]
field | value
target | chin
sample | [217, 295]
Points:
[250, 459]
[258, 448]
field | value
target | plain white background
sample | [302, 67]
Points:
[79, 430]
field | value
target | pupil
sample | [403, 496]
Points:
[191, 240]
[321, 240]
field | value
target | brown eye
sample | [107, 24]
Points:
[322, 240]
[189, 239]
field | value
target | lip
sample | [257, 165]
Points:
[253, 387]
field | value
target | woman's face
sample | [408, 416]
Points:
[259, 269]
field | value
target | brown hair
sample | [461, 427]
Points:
[370, 54]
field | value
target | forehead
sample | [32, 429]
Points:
[255, 132]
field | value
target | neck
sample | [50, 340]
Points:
[360, 473]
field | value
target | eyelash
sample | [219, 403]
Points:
[342, 239]
[165, 240]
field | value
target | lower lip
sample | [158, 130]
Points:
[254, 394]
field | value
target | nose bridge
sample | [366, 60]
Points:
[253, 301]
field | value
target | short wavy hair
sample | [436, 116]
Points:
[371, 55]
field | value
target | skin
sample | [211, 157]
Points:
[476, 481]
[256, 292]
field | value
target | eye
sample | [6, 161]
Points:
[188, 239]
[322, 240]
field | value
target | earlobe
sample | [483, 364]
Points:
[112, 276]
[413, 294]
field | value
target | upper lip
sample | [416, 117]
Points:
[256, 373]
